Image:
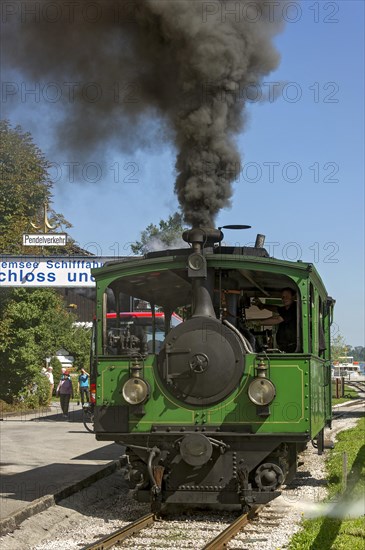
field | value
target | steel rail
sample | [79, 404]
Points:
[121, 534]
[338, 412]
[220, 541]
[360, 386]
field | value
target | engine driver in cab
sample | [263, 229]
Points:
[286, 318]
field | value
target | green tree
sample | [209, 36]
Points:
[77, 343]
[162, 236]
[25, 188]
[34, 325]
[338, 347]
[56, 365]
[358, 353]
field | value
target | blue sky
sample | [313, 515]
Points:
[302, 178]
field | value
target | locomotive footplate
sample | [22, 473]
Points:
[124, 438]
[211, 497]
[192, 496]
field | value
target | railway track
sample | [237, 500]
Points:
[359, 402]
[121, 534]
[358, 385]
[220, 541]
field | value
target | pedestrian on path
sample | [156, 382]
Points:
[65, 392]
[83, 386]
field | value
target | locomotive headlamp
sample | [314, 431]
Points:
[261, 391]
[197, 265]
[195, 261]
[135, 391]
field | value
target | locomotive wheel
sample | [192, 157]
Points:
[269, 476]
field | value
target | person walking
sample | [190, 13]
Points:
[83, 386]
[65, 392]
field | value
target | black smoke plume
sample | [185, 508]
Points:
[120, 64]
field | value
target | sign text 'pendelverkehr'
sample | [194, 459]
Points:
[50, 271]
[44, 239]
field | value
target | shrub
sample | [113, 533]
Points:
[56, 366]
[37, 394]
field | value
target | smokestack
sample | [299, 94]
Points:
[202, 280]
[201, 237]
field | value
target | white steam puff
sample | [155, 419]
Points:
[154, 244]
[341, 509]
[187, 61]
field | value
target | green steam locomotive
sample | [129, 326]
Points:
[212, 367]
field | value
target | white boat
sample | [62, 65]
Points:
[345, 366]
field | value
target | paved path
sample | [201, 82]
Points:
[43, 453]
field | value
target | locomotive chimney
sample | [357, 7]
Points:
[199, 238]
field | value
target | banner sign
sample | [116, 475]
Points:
[45, 239]
[50, 271]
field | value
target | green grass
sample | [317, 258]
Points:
[330, 534]
[338, 531]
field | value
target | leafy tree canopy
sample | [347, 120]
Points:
[358, 353]
[166, 234]
[25, 187]
[338, 347]
[34, 325]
